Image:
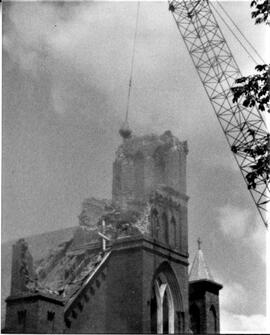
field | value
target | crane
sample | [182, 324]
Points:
[245, 128]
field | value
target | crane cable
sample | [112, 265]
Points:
[132, 62]
[227, 25]
[242, 34]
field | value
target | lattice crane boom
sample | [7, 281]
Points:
[244, 128]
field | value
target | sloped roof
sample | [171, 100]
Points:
[67, 267]
[199, 269]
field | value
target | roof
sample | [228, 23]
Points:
[68, 267]
[65, 269]
[199, 269]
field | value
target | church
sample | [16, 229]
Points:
[126, 268]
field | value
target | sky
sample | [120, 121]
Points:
[66, 69]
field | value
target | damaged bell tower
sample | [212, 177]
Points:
[152, 169]
[145, 163]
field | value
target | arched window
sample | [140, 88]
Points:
[159, 165]
[212, 320]
[153, 308]
[173, 232]
[139, 175]
[162, 308]
[155, 223]
[165, 316]
[195, 322]
[165, 228]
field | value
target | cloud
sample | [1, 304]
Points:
[257, 239]
[238, 323]
[236, 223]
[52, 29]
[233, 302]
[241, 225]
[60, 42]
[233, 297]
[233, 220]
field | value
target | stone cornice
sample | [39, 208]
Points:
[151, 245]
[36, 296]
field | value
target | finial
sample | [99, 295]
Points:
[199, 243]
[125, 131]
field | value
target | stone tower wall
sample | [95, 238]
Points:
[142, 164]
[204, 297]
[169, 219]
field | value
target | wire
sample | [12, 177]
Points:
[226, 13]
[132, 62]
[226, 24]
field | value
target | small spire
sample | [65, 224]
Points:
[199, 243]
[199, 269]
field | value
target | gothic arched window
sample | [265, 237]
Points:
[162, 308]
[173, 232]
[155, 223]
[165, 228]
[139, 175]
[212, 320]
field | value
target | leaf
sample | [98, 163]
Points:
[260, 67]
[261, 107]
[241, 80]
[245, 103]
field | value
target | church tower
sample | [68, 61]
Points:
[203, 297]
[149, 175]
[152, 170]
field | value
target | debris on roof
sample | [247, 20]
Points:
[63, 271]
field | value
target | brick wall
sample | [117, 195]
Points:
[124, 291]
[120, 303]
[34, 314]
[112, 301]
[88, 314]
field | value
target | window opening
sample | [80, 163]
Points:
[173, 232]
[22, 318]
[155, 223]
[162, 308]
[165, 314]
[50, 315]
[165, 227]
[212, 320]
[195, 319]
